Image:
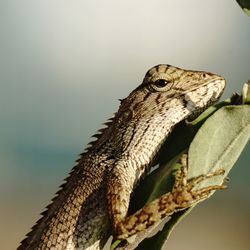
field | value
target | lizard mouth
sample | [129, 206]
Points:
[199, 112]
[199, 104]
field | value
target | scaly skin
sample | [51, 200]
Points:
[93, 202]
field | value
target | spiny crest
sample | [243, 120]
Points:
[97, 135]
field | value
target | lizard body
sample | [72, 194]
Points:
[93, 202]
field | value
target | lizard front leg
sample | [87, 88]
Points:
[120, 184]
[181, 197]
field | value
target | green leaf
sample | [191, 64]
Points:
[245, 5]
[219, 142]
[217, 145]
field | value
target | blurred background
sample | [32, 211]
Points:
[63, 67]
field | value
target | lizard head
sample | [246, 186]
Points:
[196, 88]
[166, 96]
[164, 85]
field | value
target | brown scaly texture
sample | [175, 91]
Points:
[93, 202]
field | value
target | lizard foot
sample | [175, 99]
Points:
[182, 196]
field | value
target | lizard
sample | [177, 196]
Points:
[93, 202]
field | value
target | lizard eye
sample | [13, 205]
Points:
[161, 84]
